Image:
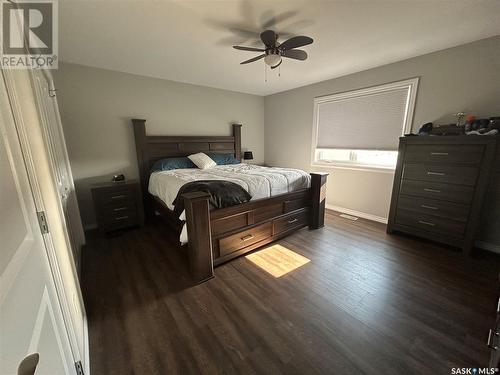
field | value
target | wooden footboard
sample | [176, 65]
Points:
[217, 236]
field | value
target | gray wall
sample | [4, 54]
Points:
[97, 105]
[464, 78]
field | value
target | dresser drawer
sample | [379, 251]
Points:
[444, 209]
[441, 173]
[447, 227]
[447, 192]
[294, 220]
[244, 238]
[463, 154]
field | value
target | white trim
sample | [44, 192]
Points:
[480, 244]
[86, 349]
[487, 246]
[411, 84]
[363, 215]
[354, 167]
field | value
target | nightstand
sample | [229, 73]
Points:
[118, 205]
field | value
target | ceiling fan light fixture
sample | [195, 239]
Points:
[272, 59]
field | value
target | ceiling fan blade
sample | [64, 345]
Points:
[296, 41]
[268, 37]
[242, 48]
[278, 64]
[296, 54]
[253, 59]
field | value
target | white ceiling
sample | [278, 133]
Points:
[190, 41]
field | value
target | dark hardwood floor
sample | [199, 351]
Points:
[366, 302]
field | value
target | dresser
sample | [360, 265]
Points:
[439, 187]
[117, 205]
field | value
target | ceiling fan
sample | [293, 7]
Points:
[274, 51]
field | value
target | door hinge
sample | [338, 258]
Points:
[42, 221]
[79, 368]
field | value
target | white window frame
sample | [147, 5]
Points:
[411, 84]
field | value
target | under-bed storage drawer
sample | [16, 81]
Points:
[294, 220]
[244, 238]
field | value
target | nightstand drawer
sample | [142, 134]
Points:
[447, 227]
[111, 214]
[119, 205]
[443, 209]
[118, 195]
[129, 218]
[441, 173]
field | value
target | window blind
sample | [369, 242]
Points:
[371, 119]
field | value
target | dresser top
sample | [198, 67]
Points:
[450, 139]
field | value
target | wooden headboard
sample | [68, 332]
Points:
[151, 148]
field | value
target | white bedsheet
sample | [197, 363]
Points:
[260, 182]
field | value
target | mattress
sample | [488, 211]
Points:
[260, 182]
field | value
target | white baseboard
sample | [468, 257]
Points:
[363, 215]
[480, 244]
[488, 246]
[86, 354]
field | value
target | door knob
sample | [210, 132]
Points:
[28, 365]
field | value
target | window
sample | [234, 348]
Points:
[361, 128]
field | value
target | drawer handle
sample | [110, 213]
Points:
[247, 237]
[435, 173]
[498, 306]
[118, 196]
[293, 221]
[426, 223]
[429, 207]
[120, 209]
[490, 339]
[439, 153]
[121, 217]
[432, 190]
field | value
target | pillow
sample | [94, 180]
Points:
[223, 159]
[202, 160]
[172, 163]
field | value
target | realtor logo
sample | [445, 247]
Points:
[29, 34]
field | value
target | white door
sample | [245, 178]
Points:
[31, 318]
[30, 114]
[56, 145]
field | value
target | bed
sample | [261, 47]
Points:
[215, 236]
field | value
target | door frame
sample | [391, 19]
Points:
[50, 247]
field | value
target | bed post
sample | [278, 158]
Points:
[237, 141]
[142, 159]
[200, 238]
[318, 196]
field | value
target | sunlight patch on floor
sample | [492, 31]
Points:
[277, 260]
